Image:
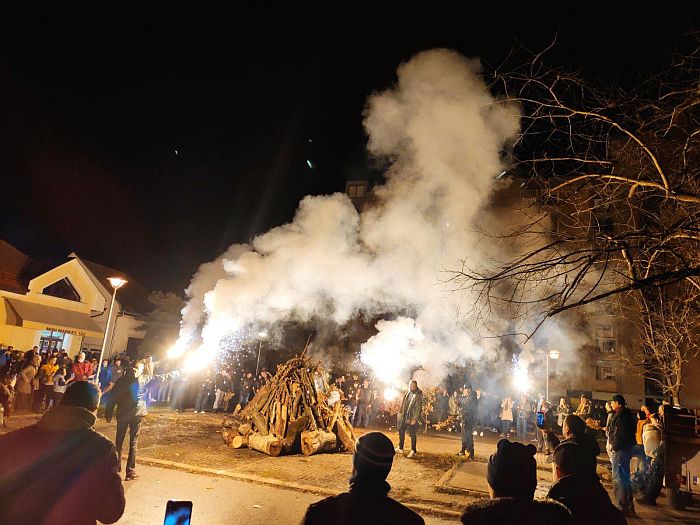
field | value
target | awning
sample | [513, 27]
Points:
[42, 317]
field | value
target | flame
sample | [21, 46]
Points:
[521, 381]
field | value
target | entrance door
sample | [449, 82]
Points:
[50, 341]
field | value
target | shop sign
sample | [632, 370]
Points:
[65, 331]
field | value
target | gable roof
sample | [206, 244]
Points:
[133, 297]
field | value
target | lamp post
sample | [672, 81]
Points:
[116, 282]
[261, 336]
[552, 354]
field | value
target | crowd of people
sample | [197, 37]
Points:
[54, 384]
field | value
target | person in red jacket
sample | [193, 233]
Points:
[82, 370]
[60, 470]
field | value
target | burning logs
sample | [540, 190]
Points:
[289, 415]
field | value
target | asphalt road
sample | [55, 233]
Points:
[215, 500]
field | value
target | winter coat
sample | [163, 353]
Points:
[469, 407]
[651, 437]
[366, 506]
[82, 371]
[60, 471]
[223, 383]
[507, 410]
[562, 412]
[46, 373]
[621, 429]
[499, 511]
[25, 379]
[586, 499]
[548, 420]
[411, 407]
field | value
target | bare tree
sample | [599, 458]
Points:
[615, 184]
[611, 181]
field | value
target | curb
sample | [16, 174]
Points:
[424, 508]
[442, 485]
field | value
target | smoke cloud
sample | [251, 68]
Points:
[443, 135]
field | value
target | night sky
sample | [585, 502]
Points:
[150, 141]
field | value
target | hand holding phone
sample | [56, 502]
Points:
[178, 512]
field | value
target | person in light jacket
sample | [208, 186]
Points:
[506, 415]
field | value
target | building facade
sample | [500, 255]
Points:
[65, 305]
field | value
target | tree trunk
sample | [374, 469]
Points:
[317, 442]
[268, 444]
[239, 442]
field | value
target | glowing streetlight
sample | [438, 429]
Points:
[552, 354]
[116, 282]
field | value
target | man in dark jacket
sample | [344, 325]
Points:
[580, 490]
[576, 431]
[408, 416]
[364, 399]
[367, 502]
[60, 470]
[468, 407]
[129, 396]
[547, 428]
[621, 441]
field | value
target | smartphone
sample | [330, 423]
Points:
[178, 512]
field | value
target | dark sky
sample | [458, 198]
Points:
[94, 106]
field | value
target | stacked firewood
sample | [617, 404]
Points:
[289, 415]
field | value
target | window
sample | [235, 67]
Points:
[605, 339]
[605, 371]
[62, 289]
[356, 191]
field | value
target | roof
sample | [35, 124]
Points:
[12, 265]
[54, 317]
[133, 297]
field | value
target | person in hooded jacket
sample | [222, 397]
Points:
[367, 502]
[512, 478]
[129, 397]
[60, 470]
[580, 490]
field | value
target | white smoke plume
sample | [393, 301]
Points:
[443, 133]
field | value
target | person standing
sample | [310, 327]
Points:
[205, 394]
[523, 415]
[506, 415]
[222, 384]
[621, 439]
[652, 436]
[60, 383]
[364, 396]
[60, 470]
[246, 389]
[42, 398]
[25, 383]
[547, 428]
[584, 408]
[469, 407]
[408, 416]
[82, 369]
[129, 397]
[563, 410]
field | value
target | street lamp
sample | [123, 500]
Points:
[552, 354]
[261, 335]
[116, 282]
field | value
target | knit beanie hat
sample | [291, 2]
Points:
[374, 455]
[512, 470]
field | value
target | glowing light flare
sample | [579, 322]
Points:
[391, 394]
[521, 381]
[200, 359]
[176, 350]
